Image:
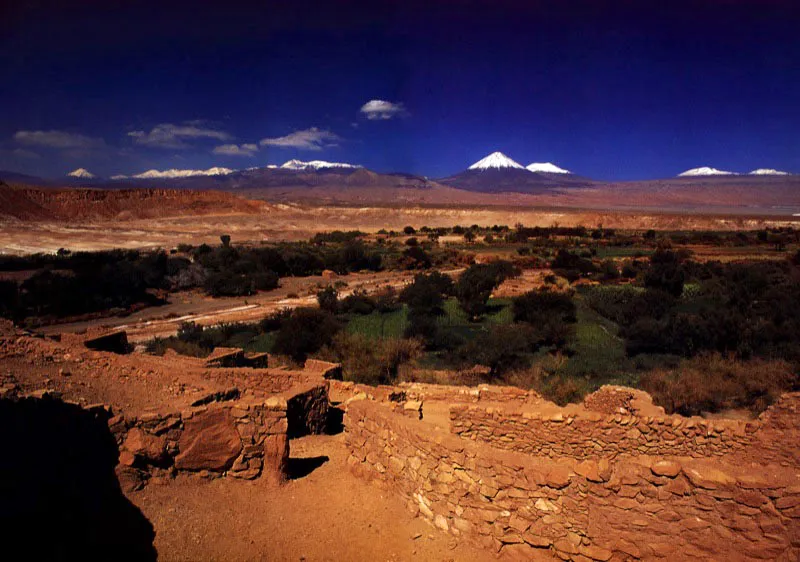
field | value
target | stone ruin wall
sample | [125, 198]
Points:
[593, 434]
[584, 434]
[259, 382]
[242, 439]
[581, 505]
[247, 438]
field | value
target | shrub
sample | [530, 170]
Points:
[328, 299]
[572, 266]
[336, 237]
[188, 278]
[426, 294]
[414, 257]
[357, 303]
[229, 284]
[274, 321]
[305, 332]
[609, 270]
[371, 361]
[265, 280]
[710, 383]
[549, 314]
[501, 348]
[159, 346]
[665, 273]
[386, 300]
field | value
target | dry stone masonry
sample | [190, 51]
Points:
[172, 415]
[583, 485]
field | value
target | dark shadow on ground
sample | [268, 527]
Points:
[303, 466]
[335, 420]
[59, 495]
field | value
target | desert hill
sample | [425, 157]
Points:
[19, 202]
[495, 186]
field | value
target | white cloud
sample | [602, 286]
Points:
[381, 109]
[308, 139]
[57, 139]
[236, 150]
[168, 135]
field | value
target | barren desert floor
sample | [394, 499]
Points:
[297, 222]
[324, 513]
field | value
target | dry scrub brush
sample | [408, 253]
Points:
[713, 382]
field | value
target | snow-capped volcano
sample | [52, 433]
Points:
[497, 173]
[496, 160]
[767, 172]
[705, 171]
[546, 168]
[315, 165]
[82, 173]
[174, 173]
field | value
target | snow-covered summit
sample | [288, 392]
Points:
[174, 173]
[81, 173]
[496, 160]
[705, 171]
[546, 167]
[767, 172]
[315, 164]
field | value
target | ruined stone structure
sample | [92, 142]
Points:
[521, 475]
[173, 415]
[614, 478]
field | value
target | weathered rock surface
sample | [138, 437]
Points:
[209, 442]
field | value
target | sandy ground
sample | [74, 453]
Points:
[325, 513]
[297, 222]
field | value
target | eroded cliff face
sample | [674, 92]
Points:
[44, 204]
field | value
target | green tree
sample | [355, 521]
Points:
[305, 332]
[328, 299]
[476, 284]
[550, 315]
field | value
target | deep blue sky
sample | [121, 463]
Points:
[610, 90]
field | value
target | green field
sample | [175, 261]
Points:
[604, 252]
[393, 324]
[377, 325]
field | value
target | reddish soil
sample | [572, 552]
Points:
[42, 204]
[46, 219]
[322, 513]
[327, 514]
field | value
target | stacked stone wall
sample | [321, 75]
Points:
[242, 439]
[582, 434]
[623, 508]
[247, 438]
[466, 394]
[260, 382]
[590, 434]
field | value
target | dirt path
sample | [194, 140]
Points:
[325, 513]
[194, 306]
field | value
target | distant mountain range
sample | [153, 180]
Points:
[493, 180]
[707, 171]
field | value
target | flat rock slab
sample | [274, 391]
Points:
[209, 442]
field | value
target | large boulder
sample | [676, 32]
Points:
[209, 442]
[150, 448]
